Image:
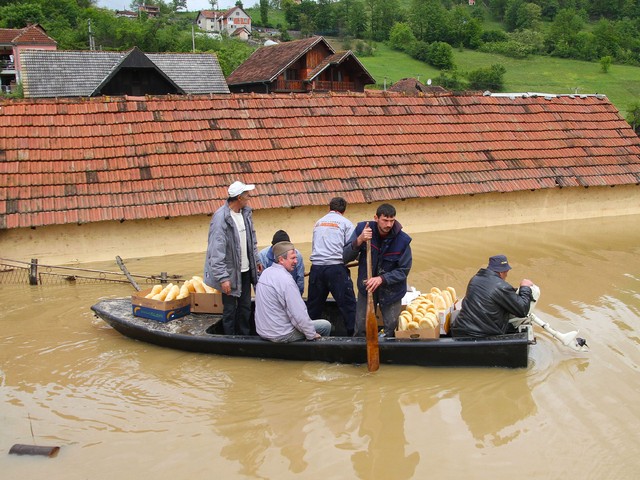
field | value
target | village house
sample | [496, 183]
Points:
[13, 41]
[306, 65]
[86, 179]
[230, 22]
[150, 10]
[63, 73]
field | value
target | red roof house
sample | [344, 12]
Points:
[304, 65]
[13, 41]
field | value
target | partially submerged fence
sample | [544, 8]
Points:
[35, 273]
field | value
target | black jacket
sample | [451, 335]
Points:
[488, 305]
[390, 258]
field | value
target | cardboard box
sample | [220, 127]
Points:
[427, 333]
[445, 320]
[157, 310]
[419, 334]
[206, 303]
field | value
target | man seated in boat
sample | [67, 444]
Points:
[281, 314]
[490, 302]
[266, 258]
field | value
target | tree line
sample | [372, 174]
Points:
[578, 29]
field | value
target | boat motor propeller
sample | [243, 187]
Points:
[569, 339]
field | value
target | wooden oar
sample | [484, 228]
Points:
[373, 352]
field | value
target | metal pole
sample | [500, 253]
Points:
[33, 272]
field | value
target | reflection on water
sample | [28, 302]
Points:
[118, 407]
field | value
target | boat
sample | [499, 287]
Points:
[202, 333]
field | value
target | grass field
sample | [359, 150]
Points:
[535, 74]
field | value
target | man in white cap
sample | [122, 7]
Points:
[281, 314]
[490, 301]
[232, 263]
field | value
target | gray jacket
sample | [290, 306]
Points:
[223, 251]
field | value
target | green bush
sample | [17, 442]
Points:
[441, 55]
[364, 49]
[487, 78]
[450, 79]
[490, 36]
[508, 49]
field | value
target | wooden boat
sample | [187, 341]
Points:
[203, 333]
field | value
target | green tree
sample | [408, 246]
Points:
[633, 116]
[325, 18]
[563, 32]
[463, 29]
[231, 54]
[264, 12]
[428, 20]
[487, 78]
[357, 19]
[606, 37]
[307, 27]
[401, 37]
[441, 55]
[497, 8]
[529, 17]
[605, 63]
[387, 14]
[510, 18]
[291, 13]
[19, 15]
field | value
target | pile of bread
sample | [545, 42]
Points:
[423, 311]
[174, 292]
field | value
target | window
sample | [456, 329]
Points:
[291, 74]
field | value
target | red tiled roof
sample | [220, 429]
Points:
[31, 35]
[219, 14]
[266, 63]
[78, 160]
[210, 13]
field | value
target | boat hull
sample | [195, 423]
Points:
[190, 333]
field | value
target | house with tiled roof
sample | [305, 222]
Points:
[91, 178]
[63, 73]
[229, 22]
[306, 65]
[12, 42]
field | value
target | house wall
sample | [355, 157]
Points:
[204, 23]
[64, 244]
[237, 19]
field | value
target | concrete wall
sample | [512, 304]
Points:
[64, 244]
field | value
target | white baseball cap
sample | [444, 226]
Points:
[238, 188]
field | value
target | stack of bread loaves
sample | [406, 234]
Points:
[174, 292]
[423, 312]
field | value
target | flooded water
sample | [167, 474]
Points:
[123, 409]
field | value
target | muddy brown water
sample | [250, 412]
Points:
[124, 409]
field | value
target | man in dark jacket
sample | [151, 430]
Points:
[490, 302]
[390, 265]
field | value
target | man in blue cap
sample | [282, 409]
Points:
[490, 302]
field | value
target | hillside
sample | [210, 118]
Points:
[535, 74]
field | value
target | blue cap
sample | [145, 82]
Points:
[499, 263]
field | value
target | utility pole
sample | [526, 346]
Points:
[92, 42]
